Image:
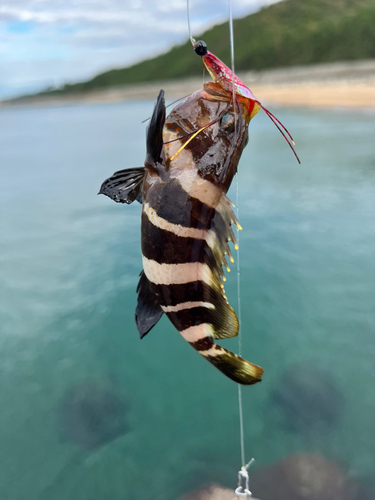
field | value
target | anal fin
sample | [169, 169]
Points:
[148, 311]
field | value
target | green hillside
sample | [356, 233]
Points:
[285, 34]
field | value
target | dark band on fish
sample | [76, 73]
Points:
[171, 248]
[221, 317]
[202, 344]
[176, 206]
[172, 295]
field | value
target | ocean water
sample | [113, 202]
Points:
[70, 261]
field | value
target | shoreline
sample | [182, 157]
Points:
[342, 85]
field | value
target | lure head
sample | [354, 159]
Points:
[222, 135]
[200, 48]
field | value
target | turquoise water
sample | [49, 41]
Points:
[69, 268]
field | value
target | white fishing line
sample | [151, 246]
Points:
[242, 474]
[241, 491]
[188, 20]
[231, 41]
[242, 439]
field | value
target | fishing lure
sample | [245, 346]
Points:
[221, 74]
[192, 157]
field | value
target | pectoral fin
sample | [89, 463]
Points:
[148, 311]
[154, 138]
[124, 186]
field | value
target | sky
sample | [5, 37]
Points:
[47, 43]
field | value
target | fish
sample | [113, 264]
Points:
[220, 73]
[186, 223]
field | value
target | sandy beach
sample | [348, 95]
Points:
[343, 84]
[319, 95]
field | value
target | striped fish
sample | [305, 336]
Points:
[186, 221]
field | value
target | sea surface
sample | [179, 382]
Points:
[70, 354]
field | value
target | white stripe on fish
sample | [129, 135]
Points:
[176, 274]
[187, 305]
[198, 332]
[197, 187]
[184, 232]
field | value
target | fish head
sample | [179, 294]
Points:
[207, 132]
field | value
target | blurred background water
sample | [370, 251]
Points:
[164, 419]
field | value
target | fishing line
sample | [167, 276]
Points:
[188, 20]
[231, 42]
[174, 102]
[193, 135]
[242, 474]
[242, 440]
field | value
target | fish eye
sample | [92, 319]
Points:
[200, 48]
[227, 122]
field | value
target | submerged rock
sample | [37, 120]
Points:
[92, 414]
[304, 476]
[212, 492]
[309, 399]
[367, 490]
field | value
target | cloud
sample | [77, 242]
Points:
[44, 41]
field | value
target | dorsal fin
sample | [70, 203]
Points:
[154, 138]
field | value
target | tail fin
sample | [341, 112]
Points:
[232, 365]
